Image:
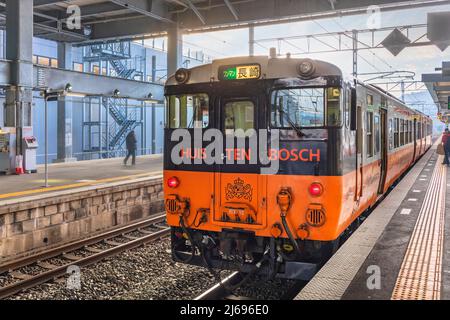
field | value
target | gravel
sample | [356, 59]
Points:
[259, 288]
[147, 273]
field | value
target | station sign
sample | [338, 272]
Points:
[240, 72]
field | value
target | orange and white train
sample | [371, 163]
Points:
[341, 144]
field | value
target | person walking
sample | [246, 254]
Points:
[446, 144]
[131, 143]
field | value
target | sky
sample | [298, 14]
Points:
[418, 59]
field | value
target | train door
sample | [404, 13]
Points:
[415, 138]
[359, 153]
[239, 188]
[384, 149]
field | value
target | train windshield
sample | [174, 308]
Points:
[188, 111]
[306, 107]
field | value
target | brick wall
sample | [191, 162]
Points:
[32, 224]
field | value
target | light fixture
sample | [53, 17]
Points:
[87, 30]
[306, 68]
[68, 88]
[182, 75]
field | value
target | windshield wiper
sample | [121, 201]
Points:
[291, 123]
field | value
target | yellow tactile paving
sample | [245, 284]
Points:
[72, 186]
[420, 274]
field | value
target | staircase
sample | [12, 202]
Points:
[124, 122]
[118, 54]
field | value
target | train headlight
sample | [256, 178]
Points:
[182, 75]
[173, 182]
[315, 189]
[306, 68]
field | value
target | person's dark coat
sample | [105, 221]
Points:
[131, 141]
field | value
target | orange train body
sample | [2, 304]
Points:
[232, 217]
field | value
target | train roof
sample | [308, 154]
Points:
[275, 68]
[271, 68]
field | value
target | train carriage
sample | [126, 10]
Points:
[328, 147]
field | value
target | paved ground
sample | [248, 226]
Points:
[64, 176]
[405, 241]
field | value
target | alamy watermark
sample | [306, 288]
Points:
[373, 282]
[73, 281]
[239, 147]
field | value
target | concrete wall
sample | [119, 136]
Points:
[32, 224]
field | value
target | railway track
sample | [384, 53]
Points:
[40, 268]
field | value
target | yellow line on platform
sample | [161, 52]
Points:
[70, 186]
[420, 273]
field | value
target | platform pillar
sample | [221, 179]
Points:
[64, 116]
[19, 50]
[174, 50]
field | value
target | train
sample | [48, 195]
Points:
[329, 146]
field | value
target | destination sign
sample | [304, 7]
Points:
[241, 72]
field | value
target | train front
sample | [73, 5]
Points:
[253, 164]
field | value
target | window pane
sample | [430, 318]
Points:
[303, 107]
[43, 61]
[369, 130]
[334, 106]
[239, 115]
[377, 134]
[189, 111]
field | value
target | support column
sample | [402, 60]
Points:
[153, 69]
[19, 50]
[251, 40]
[174, 50]
[64, 116]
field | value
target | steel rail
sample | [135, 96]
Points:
[57, 271]
[79, 244]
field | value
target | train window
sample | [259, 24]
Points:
[396, 131]
[370, 100]
[369, 134]
[410, 132]
[188, 111]
[239, 115]
[377, 134]
[347, 107]
[391, 134]
[334, 107]
[303, 107]
[419, 131]
[402, 132]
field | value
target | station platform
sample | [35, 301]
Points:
[73, 175]
[402, 250]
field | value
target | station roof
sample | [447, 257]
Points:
[438, 84]
[114, 19]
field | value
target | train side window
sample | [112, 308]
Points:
[334, 107]
[347, 107]
[410, 131]
[402, 132]
[377, 134]
[419, 130]
[188, 111]
[239, 115]
[391, 134]
[396, 136]
[370, 100]
[406, 131]
[369, 134]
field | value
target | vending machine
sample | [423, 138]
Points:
[6, 147]
[30, 146]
